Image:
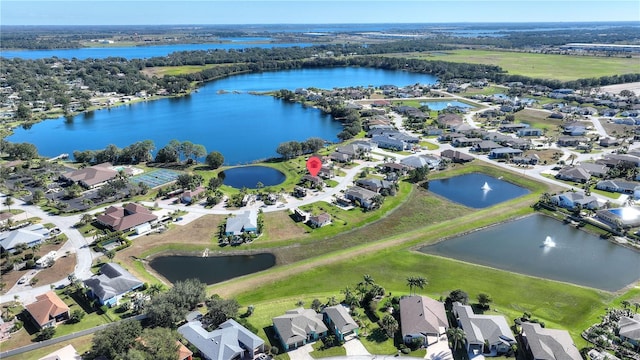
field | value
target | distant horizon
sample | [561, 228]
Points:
[636, 22]
[311, 12]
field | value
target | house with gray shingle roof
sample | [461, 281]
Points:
[298, 327]
[338, 319]
[230, 341]
[30, 235]
[574, 173]
[629, 329]
[111, 283]
[479, 329]
[422, 317]
[549, 344]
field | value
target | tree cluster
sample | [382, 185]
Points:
[168, 309]
[291, 149]
[131, 154]
[176, 150]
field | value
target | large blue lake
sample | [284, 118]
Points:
[139, 52]
[243, 127]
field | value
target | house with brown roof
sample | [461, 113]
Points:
[422, 317]
[456, 156]
[321, 220]
[92, 176]
[125, 218]
[48, 310]
[449, 120]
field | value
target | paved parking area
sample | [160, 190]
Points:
[355, 347]
[301, 353]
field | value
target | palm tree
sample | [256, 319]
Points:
[420, 282]
[368, 280]
[411, 282]
[456, 335]
[636, 305]
[625, 304]
[155, 289]
[8, 201]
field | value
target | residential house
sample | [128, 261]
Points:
[617, 185]
[31, 235]
[66, 353]
[629, 329]
[530, 132]
[518, 143]
[422, 317]
[317, 221]
[230, 341]
[573, 173]
[512, 127]
[574, 130]
[486, 146]
[456, 156]
[616, 159]
[594, 169]
[570, 200]
[360, 195]
[449, 120]
[92, 176]
[299, 192]
[419, 161]
[529, 159]
[298, 327]
[48, 310]
[376, 185]
[607, 141]
[482, 331]
[567, 141]
[465, 142]
[312, 181]
[624, 217]
[394, 167]
[246, 222]
[548, 344]
[326, 172]
[125, 218]
[504, 153]
[190, 196]
[340, 157]
[111, 283]
[339, 320]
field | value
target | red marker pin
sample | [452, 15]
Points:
[314, 164]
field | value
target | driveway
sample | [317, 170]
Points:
[355, 347]
[440, 351]
[301, 353]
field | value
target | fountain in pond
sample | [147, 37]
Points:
[548, 242]
[486, 187]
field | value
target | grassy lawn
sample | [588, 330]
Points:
[319, 352]
[547, 66]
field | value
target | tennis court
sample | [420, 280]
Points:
[156, 178]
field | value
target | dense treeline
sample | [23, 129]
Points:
[70, 83]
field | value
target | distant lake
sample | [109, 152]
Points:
[476, 190]
[243, 127]
[141, 52]
[542, 246]
[441, 105]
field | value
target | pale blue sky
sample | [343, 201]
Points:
[126, 12]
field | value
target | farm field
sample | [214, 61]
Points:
[547, 66]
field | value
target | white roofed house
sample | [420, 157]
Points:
[484, 334]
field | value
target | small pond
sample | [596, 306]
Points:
[249, 176]
[441, 105]
[210, 270]
[476, 190]
[542, 246]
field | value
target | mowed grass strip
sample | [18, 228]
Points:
[546, 66]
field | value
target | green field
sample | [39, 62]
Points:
[557, 67]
